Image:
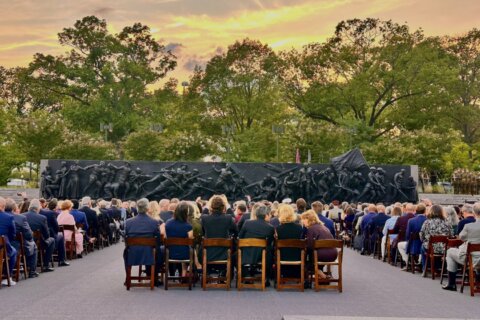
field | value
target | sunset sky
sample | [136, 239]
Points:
[197, 29]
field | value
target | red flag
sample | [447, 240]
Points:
[297, 156]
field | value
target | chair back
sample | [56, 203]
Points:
[178, 242]
[2, 244]
[141, 241]
[391, 232]
[437, 239]
[19, 238]
[79, 226]
[454, 243]
[252, 242]
[291, 243]
[322, 244]
[37, 237]
[68, 227]
[217, 242]
[473, 248]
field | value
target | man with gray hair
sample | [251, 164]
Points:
[142, 225]
[91, 215]
[468, 217]
[38, 222]
[455, 256]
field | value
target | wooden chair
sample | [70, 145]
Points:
[70, 244]
[146, 242]
[282, 283]
[325, 283]
[217, 281]
[38, 238]
[4, 261]
[21, 263]
[388, 246]
[249, 243]
[170, 242]
[412, 258]
[81, 226]
[431, 255]
[377, 246]
[469, 267]
[451, 243]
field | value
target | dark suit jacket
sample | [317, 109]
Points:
[259, 229]
[289, 230]
[23, 227]
[38, 222]
[401, 226]
[115, 213]
[80, 217]
[92, 220]
[7, 229]
[141, 226]
[166, 215]
[245, 217]
[414, 225]
[217, 225]
[51, 221]
[329, 224]
[377, 222]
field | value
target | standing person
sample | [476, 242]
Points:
[317, 231]
[65, 218]
[38, 222]
[8, 230]
[456, 256]
[22, 227]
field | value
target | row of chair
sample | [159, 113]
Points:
[243, 281]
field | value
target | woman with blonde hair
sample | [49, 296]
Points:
[317, 231]
[154, 210]
[66, 218]
[289, 229]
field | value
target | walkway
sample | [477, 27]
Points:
[92, 288]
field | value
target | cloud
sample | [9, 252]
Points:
[195, 61]
[102, 11]
[174, 47]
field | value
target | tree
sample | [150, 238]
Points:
[80, 145]
[104, 77]
[364, 76]
[10, 157]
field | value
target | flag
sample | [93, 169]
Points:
[352, 160]
[309, 156]
[297, 157]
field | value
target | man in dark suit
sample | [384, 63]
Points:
[80, 218]
[414, 226]
[8, 230]
[91, 216]
[259, 229]
[142, 225]
[52, 223]
[29, 246]
[38, 222]
[400, 227]
[329, 224]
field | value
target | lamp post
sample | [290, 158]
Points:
[278, 130]
[106, 127]
[185, 84]
[228, 132]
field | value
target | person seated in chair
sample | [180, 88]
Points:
[38, 222]
[456, 256]
[142, 225]
[259, 228]
[435, 225]
[65, 218]
[316, 230]
[414, 226]
[23, 228]
[289, 229]
[8, 230]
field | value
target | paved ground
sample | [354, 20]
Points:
[92, 288]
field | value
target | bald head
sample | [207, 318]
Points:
[381, 208]
[372, 208]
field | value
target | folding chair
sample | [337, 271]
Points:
[4, 261]
[377, 245]
[249, 243]
[146, 242]
[21, 263]
[468, 265]
[282, 282]
[431, 255]
[325, 283]
[216, 282]
[170, 242]
[70, 244]
[38, 238]
[451, 243]
[388, 246]
[412, 258]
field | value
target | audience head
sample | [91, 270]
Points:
[66, 205]
[409, 208]
[24, 206]
[154, 210]
[372, 207]
[309, 218]
[182, 211]
[436, 212]
[262, 213]
[421, 209]
[10, 205]
[35, 205]
[216, 204]
[476, 209]
[451, 216]
[241, 208]
[286, 214]
[43, 203]
[114, 202]
[172, 206]
[52, 204]
[397, 211]
[254, 210]
[380, 208]
[301, 205]
[86, 202]
[317, 206]
[75, 204]
[467, 210]
[164, 203]
[142, 205]
[103, 204]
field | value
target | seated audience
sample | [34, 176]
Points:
[329, 224]
[414, 226]
[289, 229]
[452, 219]
[65, 218]
[51, 215]
[390, 225]
[154, 210]
[92, 218]
[8, 230]
[468, 217]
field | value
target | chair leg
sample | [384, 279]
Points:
[129, 277]
[471, 277]
[239, 270]
[152, 275]
[204, 270]
[463, 275]
[432, 266]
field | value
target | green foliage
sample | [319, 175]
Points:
[81, 145]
